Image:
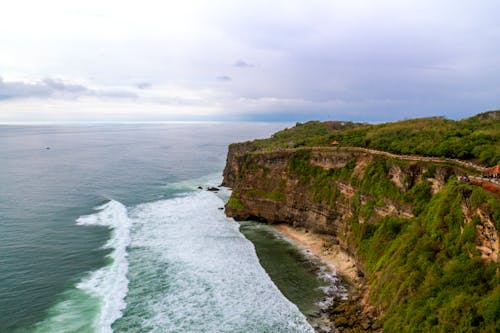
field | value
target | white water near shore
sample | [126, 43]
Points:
[110, 283]
[98, 299]
[191, 270]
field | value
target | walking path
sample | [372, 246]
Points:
[477, 168]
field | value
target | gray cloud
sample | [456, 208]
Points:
[224, 78]
[242, 64]
[44, 88]
[56, 85]
[50, 87]
[431, 59]
[384, 60]
[144, 85]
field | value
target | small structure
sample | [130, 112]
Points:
[335, 143]
[493, 172]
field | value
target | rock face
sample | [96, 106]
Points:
[487, 240]
[336, 191]
[268, 192]
[267, 187]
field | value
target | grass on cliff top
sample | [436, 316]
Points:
[476, 138]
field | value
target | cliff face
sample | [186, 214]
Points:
[379, 207]
[305, 188]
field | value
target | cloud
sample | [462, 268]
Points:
[224, 78]
[383, 61]
[242, 64]
[43, 88]
[56, 85]
[144, 85]
[54, 88]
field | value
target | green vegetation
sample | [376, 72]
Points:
[375, 181]
[426, 272]
[322, 182]
[472, 138]
[235, 203]
[312, 133]
[476, 138]
[273, 195]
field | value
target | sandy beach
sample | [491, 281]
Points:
[323, 247]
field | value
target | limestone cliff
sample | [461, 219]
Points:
[267, 187]
[375, 205]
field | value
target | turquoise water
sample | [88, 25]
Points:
[106, 231]
[295, 274]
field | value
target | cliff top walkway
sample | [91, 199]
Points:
[469, 165]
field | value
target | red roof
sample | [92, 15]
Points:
[335, 142]
[495, 169]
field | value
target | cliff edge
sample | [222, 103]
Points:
[426, 244]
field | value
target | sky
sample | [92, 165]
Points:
[255, 60]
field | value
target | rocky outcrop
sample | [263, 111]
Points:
[256, 177]
[487, 240]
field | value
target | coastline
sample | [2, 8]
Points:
[323, 247]
[349, 313]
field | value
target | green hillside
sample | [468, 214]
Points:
[476, 138]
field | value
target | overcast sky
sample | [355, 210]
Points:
[107, 60]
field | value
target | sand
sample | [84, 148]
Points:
[323, 247]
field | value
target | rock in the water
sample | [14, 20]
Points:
[213, 189]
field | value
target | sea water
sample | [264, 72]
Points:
[103, 229]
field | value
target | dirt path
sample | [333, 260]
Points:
[470, 165]
[409, 157]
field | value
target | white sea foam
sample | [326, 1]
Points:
[98, 299]
[210, 180]
[333, 287]
[110, 283]
[186, 187]
[191, 270]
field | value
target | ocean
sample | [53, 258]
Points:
[103, 228]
